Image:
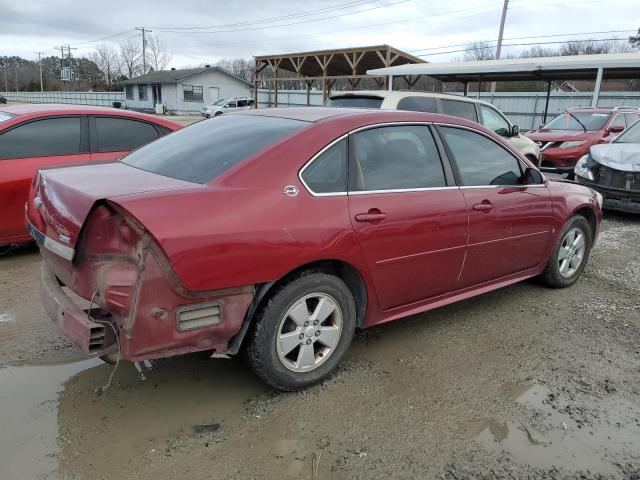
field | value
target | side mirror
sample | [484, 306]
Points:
[515, 131]
[541, 126]
[531, 176]
[615, 129]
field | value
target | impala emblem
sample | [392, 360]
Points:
[37, 202]
[290, 191]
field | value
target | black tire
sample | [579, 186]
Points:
[551, 276]
[261, 350]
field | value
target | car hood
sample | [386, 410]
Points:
[619, 156]
[558, 135]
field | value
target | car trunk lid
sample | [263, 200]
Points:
[62, 198]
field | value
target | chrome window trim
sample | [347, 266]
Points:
[403, 190]
[426, 189]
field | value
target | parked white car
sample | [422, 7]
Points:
[227, 105]
[457, 106]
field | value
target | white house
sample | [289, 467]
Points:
[184, 90]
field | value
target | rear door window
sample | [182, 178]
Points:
[395, 158]
[418, 104]
[328, 172]
[460, 109]
[42, 138]
[479, 160]
[122, 134]
[202, 151]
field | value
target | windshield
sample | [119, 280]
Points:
[630, 135]
[592, 121]
[355, 101]
[221, 102]
[203, 151]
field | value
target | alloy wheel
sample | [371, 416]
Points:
[571, 252]
[309, 332]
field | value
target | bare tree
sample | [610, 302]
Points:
[635, 40]
[241, 67]
[479, 51]
[130, 58]
[108, 62]
[158, 57]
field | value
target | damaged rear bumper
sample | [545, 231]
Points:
[93, 337]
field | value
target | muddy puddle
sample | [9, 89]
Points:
[564, 436]
[53, 417]
[28, 419]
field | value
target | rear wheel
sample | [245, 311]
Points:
[570, 254]
[303, 331]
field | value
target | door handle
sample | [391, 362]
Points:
[485, 206]
[373, 215]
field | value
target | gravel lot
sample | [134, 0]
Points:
[525, 382]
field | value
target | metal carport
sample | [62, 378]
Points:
[579, 67]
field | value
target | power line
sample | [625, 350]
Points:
[526, 44]
[524, 38]
[287, 24]
[284, 17]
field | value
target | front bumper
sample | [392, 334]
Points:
[93, 337]
[560, 160]
[615, 198]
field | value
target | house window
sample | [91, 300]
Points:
[192, 93]
[142, 92]
[129, 91]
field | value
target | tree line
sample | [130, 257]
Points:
[100, 70]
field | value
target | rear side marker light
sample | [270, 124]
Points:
[198, 316]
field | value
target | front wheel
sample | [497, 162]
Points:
[570, 254]
[301, 334]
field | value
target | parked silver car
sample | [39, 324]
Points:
[227, 105]
[613, 169]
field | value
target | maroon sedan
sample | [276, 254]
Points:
[568, 137]
[36, 136]
[281, 231]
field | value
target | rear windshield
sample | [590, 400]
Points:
[355, 101]
[203, 151]
[564, 121]
[630, 135]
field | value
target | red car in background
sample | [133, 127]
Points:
[280, 231]
[35, 136]
[568, 137]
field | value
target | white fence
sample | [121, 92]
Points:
[525, 109]
[100, 99]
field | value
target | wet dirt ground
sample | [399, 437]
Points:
[524, 382]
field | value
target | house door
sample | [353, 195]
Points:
[214, 95]
[157, 94]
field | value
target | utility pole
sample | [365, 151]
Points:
[62, 49]
[144, 48]
[501, 31]
[40, 64]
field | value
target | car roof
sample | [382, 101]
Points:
[37, 109]
[398, 94]
[358, 115]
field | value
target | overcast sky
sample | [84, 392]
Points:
[199, 31]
